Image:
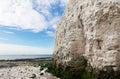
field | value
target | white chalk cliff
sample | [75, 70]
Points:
[90, 29]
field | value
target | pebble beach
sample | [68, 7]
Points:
[22, 71]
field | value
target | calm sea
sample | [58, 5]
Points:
[14, 57]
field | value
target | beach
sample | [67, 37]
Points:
[23, 69]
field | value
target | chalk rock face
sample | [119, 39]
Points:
[90, 29]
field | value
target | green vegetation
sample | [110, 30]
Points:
[42, 63]
[82, 72]
[70, 73]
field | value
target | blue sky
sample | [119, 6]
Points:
[28, 26]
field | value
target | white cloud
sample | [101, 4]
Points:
[64, 2]
[50, 33]
[1, 38]
[45, 6]
[7, 32]
[54, 22]
[6, 49]
[21, 15]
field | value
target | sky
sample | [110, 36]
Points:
[28, 26]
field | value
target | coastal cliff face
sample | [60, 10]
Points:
[89, 29]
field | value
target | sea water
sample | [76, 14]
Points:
[14, 57]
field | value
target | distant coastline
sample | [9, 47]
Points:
[26, 57]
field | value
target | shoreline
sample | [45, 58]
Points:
[27, 59]
[24, 62]
[24, 68]
[24, 57]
